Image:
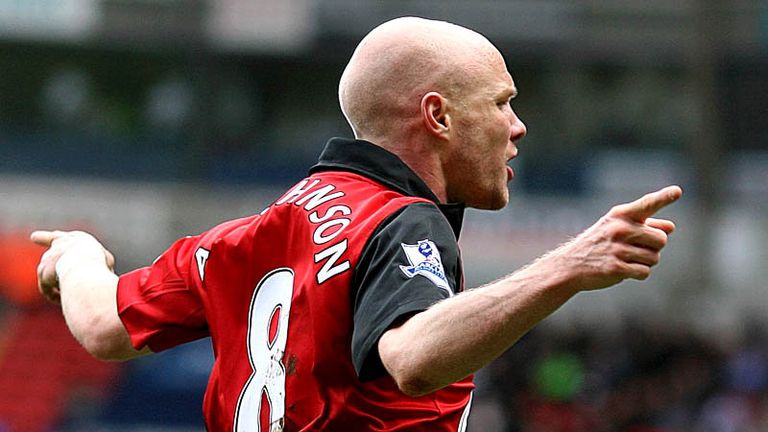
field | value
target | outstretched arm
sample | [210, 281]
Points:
[76, 272]
[460, 335]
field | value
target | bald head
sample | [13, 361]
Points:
[400, 61]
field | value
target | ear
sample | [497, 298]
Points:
[434, 114]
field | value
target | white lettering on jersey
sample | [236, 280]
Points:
[300, 189]
[330, 268]
[321, 236]
[201, 257]
[314, 218]
[317, 197]
[332, 223]
[329, 225]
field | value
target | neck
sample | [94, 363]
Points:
[422, 159]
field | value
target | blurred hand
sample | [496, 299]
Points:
[625, 243]
[79, 247]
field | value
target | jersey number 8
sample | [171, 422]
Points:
[261, 406]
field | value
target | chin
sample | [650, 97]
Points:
[492, 202]
[498, 205]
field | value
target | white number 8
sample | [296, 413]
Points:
[267, 336]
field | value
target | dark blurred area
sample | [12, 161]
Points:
[636, 378]
[143, 121]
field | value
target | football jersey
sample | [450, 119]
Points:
[296, 298]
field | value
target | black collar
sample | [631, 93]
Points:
[374, 162]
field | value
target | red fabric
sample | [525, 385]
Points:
[167, 304]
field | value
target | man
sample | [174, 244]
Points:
[341, 306]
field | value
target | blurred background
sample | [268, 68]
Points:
[146, 120]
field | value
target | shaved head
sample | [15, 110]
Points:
[436, 95]
[400, 61]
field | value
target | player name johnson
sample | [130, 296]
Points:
[328, 225]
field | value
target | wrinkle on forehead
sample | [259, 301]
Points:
[403, 59]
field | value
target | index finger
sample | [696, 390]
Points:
[647, 205]
[44, 238]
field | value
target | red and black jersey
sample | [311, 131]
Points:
[296, 298]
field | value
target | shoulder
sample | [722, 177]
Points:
[415, 239]
[414, 218]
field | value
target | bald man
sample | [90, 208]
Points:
[342, 306]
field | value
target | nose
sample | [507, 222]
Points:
[518, 129]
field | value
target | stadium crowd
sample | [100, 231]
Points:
[637, 378]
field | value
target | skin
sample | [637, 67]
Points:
[438, 96]
[77, 272]
[449, 94]
[448, 91]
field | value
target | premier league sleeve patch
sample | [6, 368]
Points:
[424, 259]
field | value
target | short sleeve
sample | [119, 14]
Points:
[160, 305]
[410, 262]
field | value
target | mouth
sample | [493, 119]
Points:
[510, 171]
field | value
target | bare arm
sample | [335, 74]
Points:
[460, 335]
[76, 271]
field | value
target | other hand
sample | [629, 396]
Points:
[78, 245]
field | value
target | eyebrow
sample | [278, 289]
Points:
[508, 92]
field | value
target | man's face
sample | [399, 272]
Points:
[486, 131]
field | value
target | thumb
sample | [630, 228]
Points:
[647, 205]
[45, 238]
